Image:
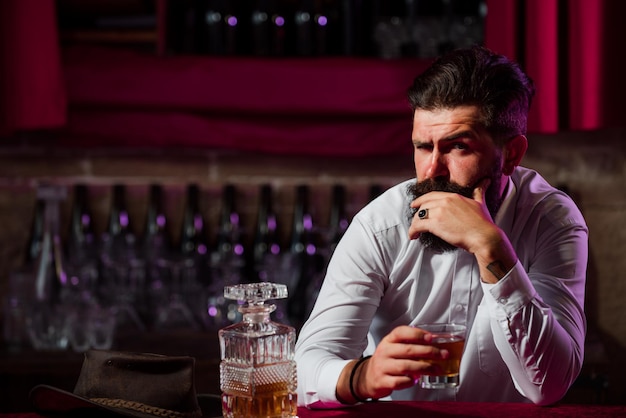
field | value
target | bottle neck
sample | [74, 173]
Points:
[257, 313]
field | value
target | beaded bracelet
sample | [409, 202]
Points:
[351, 381]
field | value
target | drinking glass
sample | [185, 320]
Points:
[452, 338]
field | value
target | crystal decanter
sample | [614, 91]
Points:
[257, 370]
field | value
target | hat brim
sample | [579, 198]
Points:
[54, 401]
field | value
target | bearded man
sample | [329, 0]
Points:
[475, 239]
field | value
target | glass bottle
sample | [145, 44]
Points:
[303, 20]
[302, 224]
[192, 269]
[193, 240]
[81, 246]
[235, 25]
[35, 239]
[304, 259]
[266, 247]
[50, 276]
[230, 248]
[213, 23]
[81, 238]
[228, 261]
[122, 272]
[260, 28]
[18, 299]
[47, 325]
[119, 237]
[257, 371]
[156, 241]
[279, 24]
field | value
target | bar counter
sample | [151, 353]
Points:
[445, 409]
[19, 372]
[465, 409]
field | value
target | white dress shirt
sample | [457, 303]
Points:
[525, 334]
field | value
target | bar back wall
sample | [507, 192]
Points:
[591, 165]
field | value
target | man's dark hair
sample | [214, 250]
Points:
[479, 77]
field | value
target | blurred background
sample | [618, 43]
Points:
[153, 151]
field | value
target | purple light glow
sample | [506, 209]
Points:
[275, 249]
[160, 220]
[279, 21]
[310, 249]
[238, 249]
[85, 219]
[212, 311]
[322, 20]
[307, 222]
[231, 20]
[124, 219]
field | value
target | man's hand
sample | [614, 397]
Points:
[458, 220]
[467, 224]
[398, 362]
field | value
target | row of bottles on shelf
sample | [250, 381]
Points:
[279, 28]
[83, 290]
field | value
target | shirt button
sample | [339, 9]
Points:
[502, 301]
[459, 308]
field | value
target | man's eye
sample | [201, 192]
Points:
[460, 146]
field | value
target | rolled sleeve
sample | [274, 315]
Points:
[511, 293]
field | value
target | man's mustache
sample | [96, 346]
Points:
[421, 188]
[440, 185]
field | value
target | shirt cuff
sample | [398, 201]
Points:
[327, 385]
[512, 292]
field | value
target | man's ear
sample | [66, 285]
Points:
[513, 152]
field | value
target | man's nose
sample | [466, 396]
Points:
[437, 166]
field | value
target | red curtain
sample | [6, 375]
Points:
[572, 50]
[32, 90]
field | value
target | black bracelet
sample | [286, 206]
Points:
[352, 374]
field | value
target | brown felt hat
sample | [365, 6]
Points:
[128, 384]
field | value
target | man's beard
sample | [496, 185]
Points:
[492, 198]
